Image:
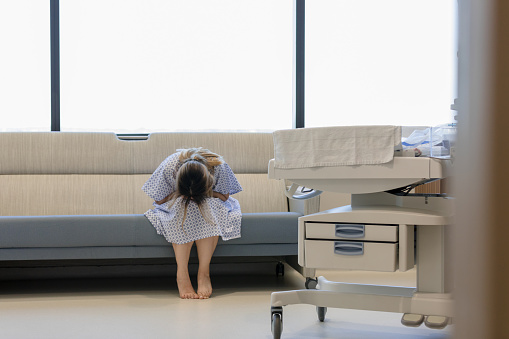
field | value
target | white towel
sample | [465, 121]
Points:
[335, 146]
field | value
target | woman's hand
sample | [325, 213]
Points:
[223, 197]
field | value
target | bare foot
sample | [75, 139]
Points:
[204, 286]
[185, 287]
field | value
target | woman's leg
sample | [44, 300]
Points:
[205, 249]
[185, 287]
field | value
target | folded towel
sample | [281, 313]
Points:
[335, 146]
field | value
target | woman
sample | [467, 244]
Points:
[191, 189]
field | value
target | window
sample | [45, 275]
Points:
[133, 66]
[371, 62]
[25, 103]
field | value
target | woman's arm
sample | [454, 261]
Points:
[162, 182]
[223, 197]
[226, 182]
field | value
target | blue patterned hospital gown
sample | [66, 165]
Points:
[223, 218]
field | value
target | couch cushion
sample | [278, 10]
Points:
[129, 230]
[64, 153]
[104, 153]
[97, 194]
[76, 231]
[244, 152]
[267, 228]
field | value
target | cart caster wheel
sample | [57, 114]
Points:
[311, 283]
[321, 311]
[277, 325]
[436, 322]
[412, 320]
[280, 269]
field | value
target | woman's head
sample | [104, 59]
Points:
[202, 155]
[194, 181]
[195, 178]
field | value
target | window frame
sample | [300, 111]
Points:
[298, 90]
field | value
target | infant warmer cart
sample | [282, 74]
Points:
[374, 233]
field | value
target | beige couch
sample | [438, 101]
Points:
[68, 197]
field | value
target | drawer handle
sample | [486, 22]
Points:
[349, 231]
[348, 248]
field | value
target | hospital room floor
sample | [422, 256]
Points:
[149, 308]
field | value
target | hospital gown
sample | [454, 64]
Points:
[222, 218]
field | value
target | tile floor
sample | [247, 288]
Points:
[129, 308]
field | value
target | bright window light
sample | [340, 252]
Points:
[25, 103]
[135, 66]
[372, 62]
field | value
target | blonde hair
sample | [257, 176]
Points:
[203, 155]
[195, 178]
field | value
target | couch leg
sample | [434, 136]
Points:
[280, 269]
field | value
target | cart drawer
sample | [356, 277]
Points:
[365, 256]
[352, 231]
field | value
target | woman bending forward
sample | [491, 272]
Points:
[192, 189]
